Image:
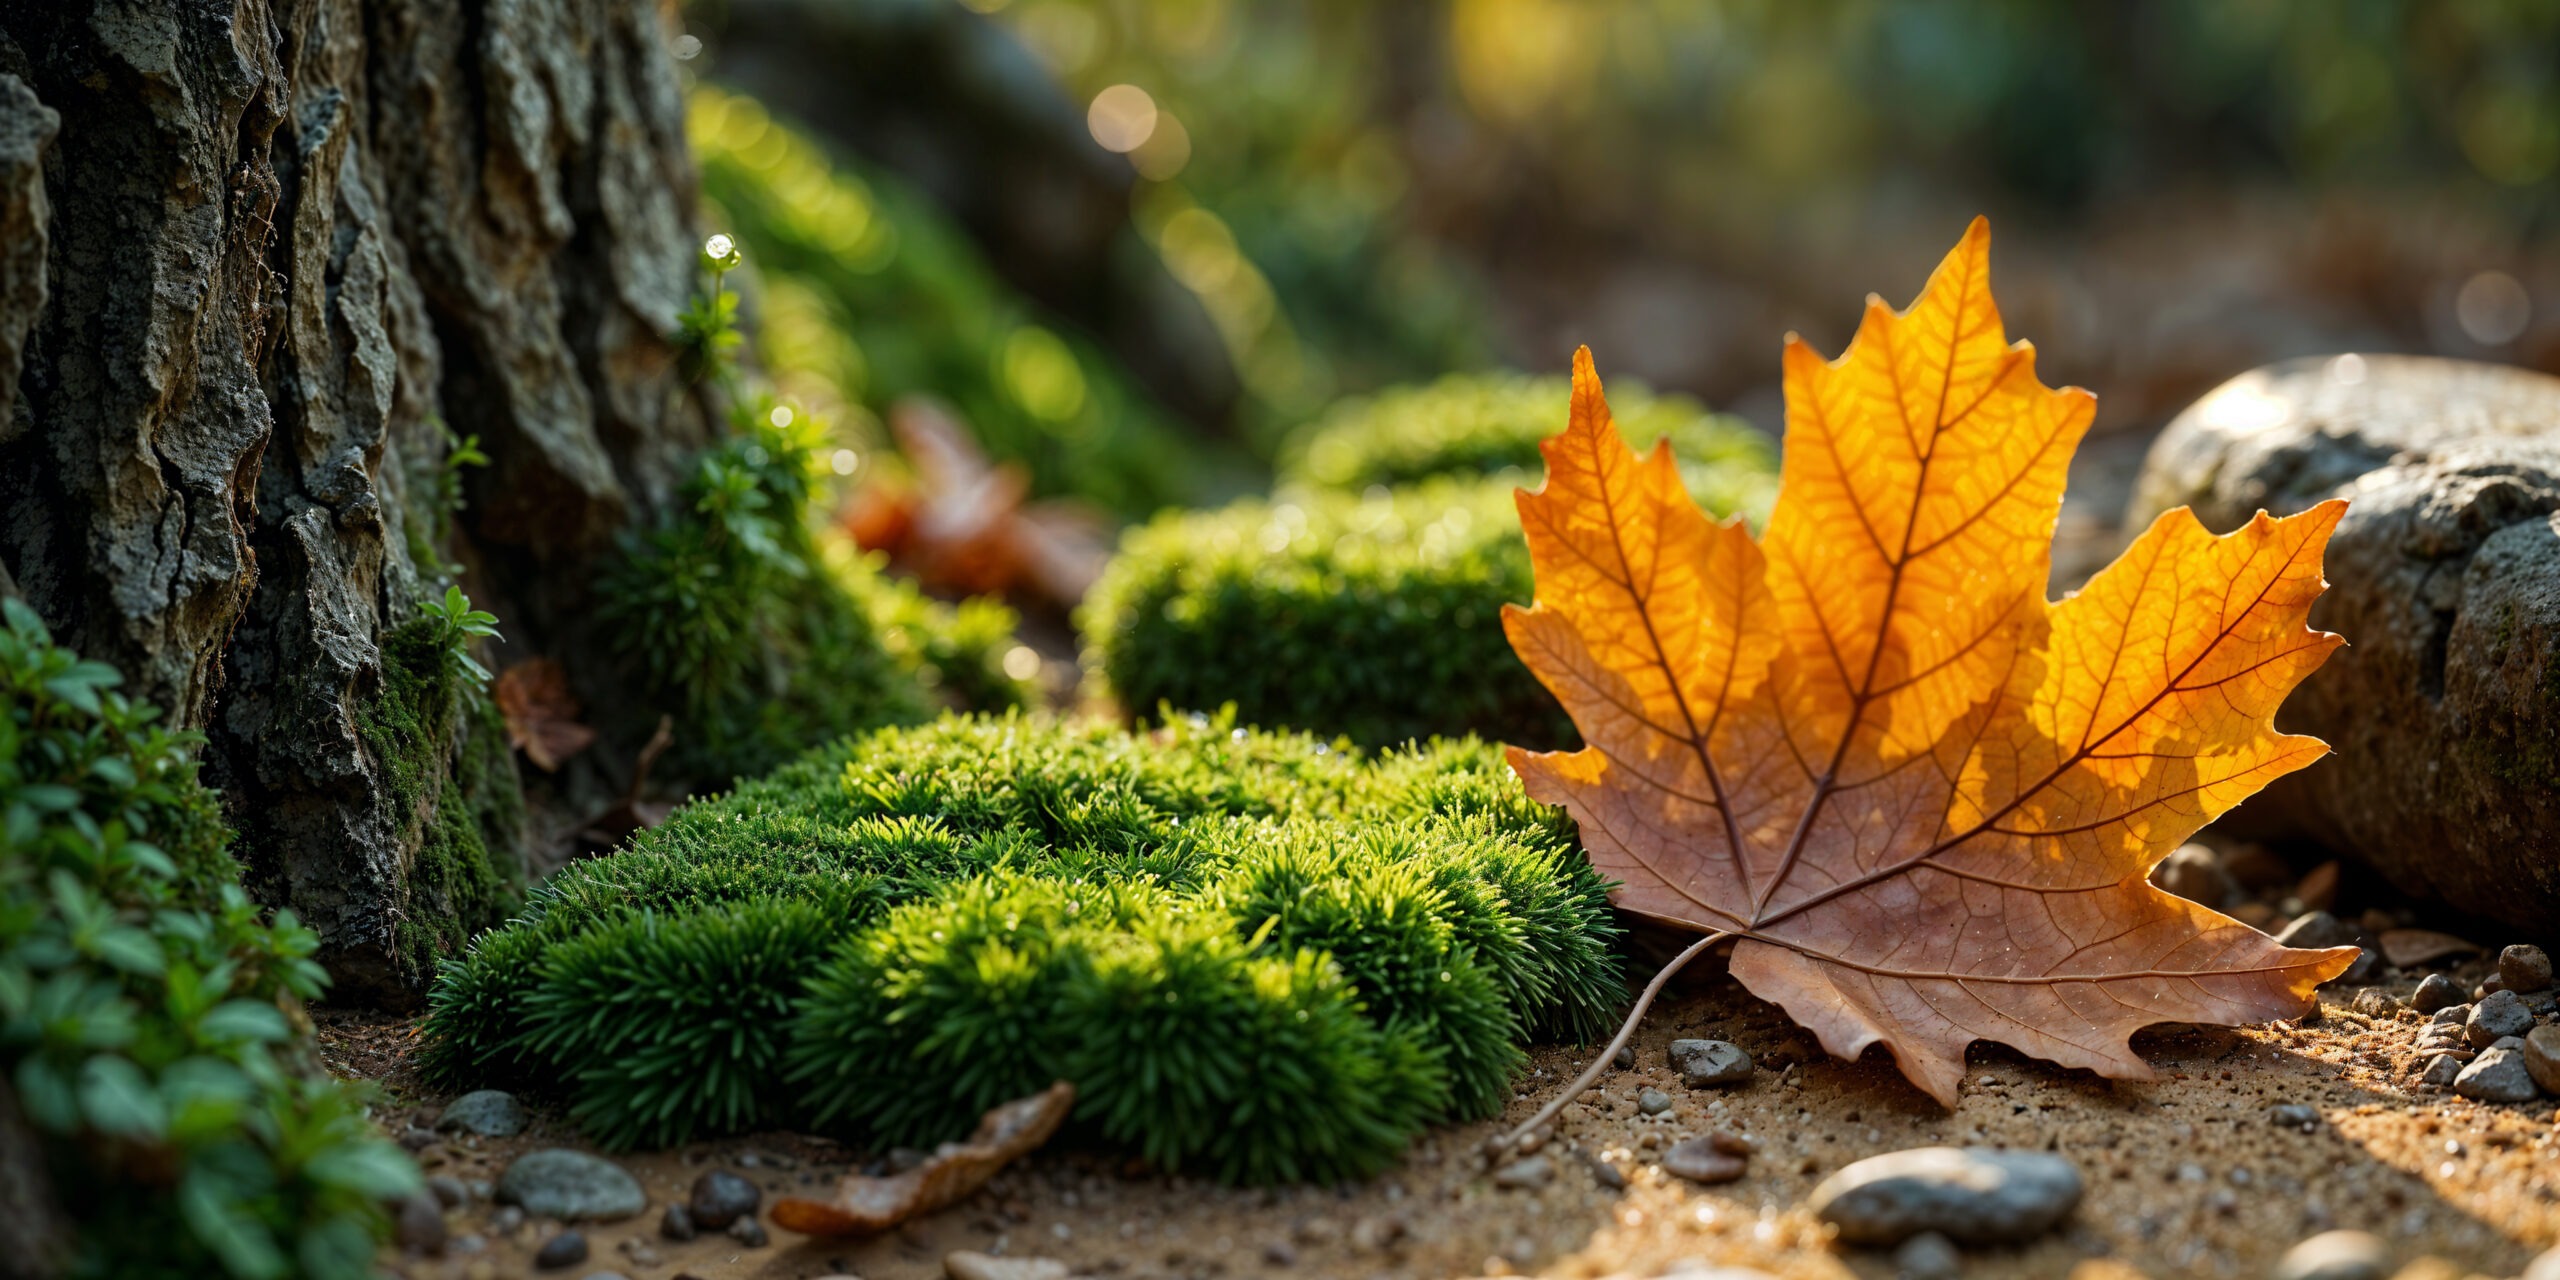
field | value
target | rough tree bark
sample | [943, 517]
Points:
[260, 261]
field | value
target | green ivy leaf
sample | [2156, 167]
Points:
[132, 950]
[245, 1020]
[245, 1246]
[118, 1098]
[376, 1170]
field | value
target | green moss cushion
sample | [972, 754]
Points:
[1255, 954]
[1489, 424]
[1364, 599]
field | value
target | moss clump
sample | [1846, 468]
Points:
[451, 785]
[1366, 597]
[766, 636]
[148, 1013]
[1255, 953]
[1489, 424]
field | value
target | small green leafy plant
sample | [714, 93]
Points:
[150, 1021]
[1261, 955]
[453, 627]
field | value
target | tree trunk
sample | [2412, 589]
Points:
[261, 262]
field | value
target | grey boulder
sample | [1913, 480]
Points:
[2444, 578]
[570, 1185]
[1970, 1195]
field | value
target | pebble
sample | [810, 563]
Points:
[2294, 1115]
[2194, 872]
[1702, 1160]
[1279, 1254]
[1701, 1269]
[566, 1249]
[2434, 993]
[2501, 1013]
[1927, 1256]
[676, 1223]
[1705, 1064]
[610, 1275]
[559, 1183]
[1377, 1231]
[2525, 968]
[719, 1197]
[2336, 1255]
[449, 1192]
[1970, 1195]
[414, 1139]
[2542, 1057]
[1653, 1102]
[419, 1225]
[2441, 1070]
[2313, 930]
[2545, 1267]
[506, 1219]
[638, 1250]
[1525, 1175]
[969, 1264]
[491, 1113]
[749, 1232]
[1625, 1058]
[2497, 1075]
[2374, 1002]
[1608, 1175]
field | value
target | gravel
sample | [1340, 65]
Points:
[1972, 1195]
[719, 1198]
[490, 1113]
[2435, 992]
[1653, 1102]
[1927, 1256]
[1526, 1175]
[559, 1183]
[1704, 1160]
[2498, 1075]
[677, 1223]
[2524, 968]
[2336, 1255]
[566, 1249]
[1706, 1064]
[2501, 1013]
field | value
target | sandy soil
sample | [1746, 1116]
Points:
[2187, 1175]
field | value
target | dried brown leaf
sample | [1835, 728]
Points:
[541, 713]
[868, 1206]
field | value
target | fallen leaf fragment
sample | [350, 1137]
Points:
[1923, 798]
[867, 1206]
[541, 713]
[2407, 947]
[963, 527]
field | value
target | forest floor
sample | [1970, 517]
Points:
[2187, 1175]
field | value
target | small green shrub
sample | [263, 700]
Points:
[149, 1017]
[1255, 953]
[1365, 598]
[1489, 424]
[767, 636]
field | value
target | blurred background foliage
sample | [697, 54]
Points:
[1141, 249]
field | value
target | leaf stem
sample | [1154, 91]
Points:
[1626, 1029]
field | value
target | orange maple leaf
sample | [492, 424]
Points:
[1923, 798]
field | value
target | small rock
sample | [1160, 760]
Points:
[2502, 1013]
[2313, 930]
[971, 1265]
[2542, 1057]
[1701, 1269]
[419, 1225]
[1698, 1160]
[2453, 1014]
[1608, 1175]
[719, 1197]
[1279, 1254]
[1653, 1102]
[2374, 1002]
[676, 1223]
[566, 1249]
[2336, 1255]
[2443, 1069]
[2488, 985]
[2497, 1075]
[506, 1219]
[1970, 1195]
[2525, 968]
[2544, 1267]
[1705, 1064]
[414, 1139]
[1625, 1058]
[749, 1232]
[2195, 873]
[2436, 993]
[1525, 1175]
[610, 1275]
[1928, 1256]
[491, 1113]
[449, 1192]
[2294, 1115]
[1377, 1231]
[559, 1183]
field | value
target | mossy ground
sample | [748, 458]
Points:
[1261, 955]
